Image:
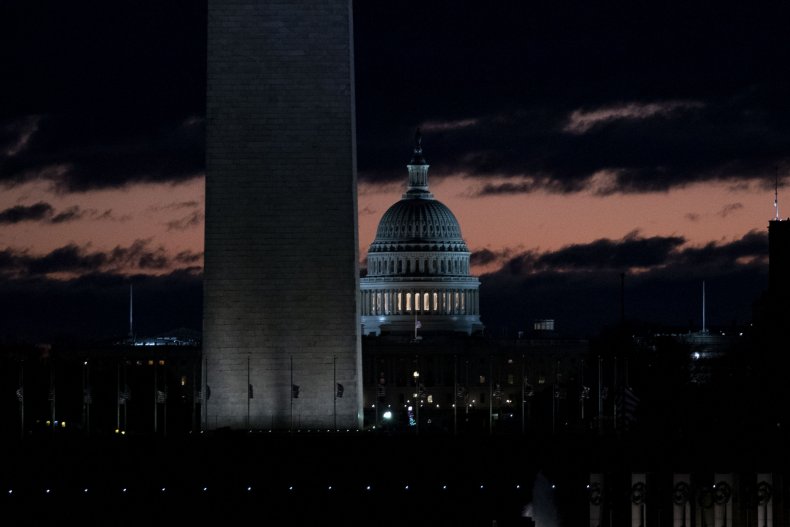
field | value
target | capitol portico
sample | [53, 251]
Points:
[418, 266]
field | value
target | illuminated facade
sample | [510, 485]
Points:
[418, 266]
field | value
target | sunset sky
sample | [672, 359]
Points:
[572, 143]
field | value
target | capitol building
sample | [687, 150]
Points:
[418, 266]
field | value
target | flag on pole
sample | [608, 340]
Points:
[340, 390]
[20, 394]
[295, 391]
[87, 398]
[161, 396]
[417, 324]
[125, 395]
[249, 391]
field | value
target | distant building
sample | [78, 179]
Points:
[418, 266]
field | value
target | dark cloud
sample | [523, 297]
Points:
[579, 285]
[547, 97]
[176, 205]
[729, 208]
[190, 220]
[102, 96]
[70, 214]
[486, 256]
[43, 212]
[552, 98]
[20, 213]
[753, 245]
[483, 257]
[109, 215]
[633, 251]
[82, 154]
[96, 305]
[72, 259]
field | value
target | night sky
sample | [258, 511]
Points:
[573, 144]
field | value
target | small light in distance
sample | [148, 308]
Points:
[387, 415]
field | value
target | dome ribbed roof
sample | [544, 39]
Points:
[411, 220]
[418, 222]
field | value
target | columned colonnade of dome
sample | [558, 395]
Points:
[402, 301]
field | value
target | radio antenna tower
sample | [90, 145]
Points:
[776, 195]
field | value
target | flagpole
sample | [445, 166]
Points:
[126, 398]
[292, 394]
[614, 395]
[204, 394]
[52, 390]
[554, 394]
[248, 391]
[581, 396]
[194, 401]
[600, 395]
[523, 393]
[490, 394]
[164, 407]
[417, 384]
[22, 399]
[466, 398]
[455, 391]
[156, 401]
[84, 428]
[117, 395]
[334, 385]
[89, 399]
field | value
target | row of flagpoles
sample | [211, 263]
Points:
[623, 400]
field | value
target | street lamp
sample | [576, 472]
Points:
[416, 375]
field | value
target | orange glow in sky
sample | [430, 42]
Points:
[171, 215]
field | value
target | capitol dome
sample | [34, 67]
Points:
[418, 221]
[418, 266]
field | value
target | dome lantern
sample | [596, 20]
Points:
[418, 172]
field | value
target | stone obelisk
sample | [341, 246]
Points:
[281, 321]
